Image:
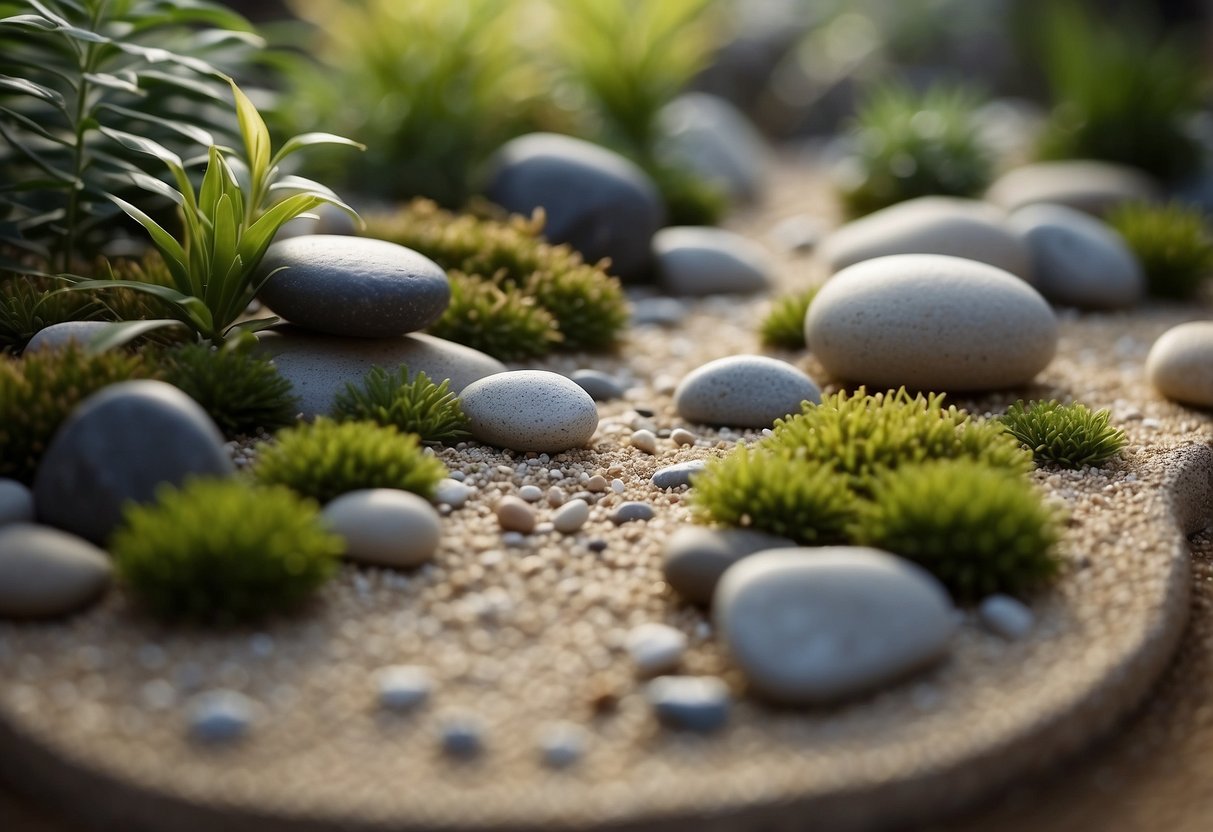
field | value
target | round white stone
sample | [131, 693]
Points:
[655, 648]
[530, 410]
[705, 261]
[571, 516]
[743, 391]
[385, 527]
[1180, 364]
[452, 492]
[46, 573]
[403, 687]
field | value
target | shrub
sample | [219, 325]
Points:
[223, 551]
[27, 305]
[326, 459]
[978, 529]
[240, 390]
[783, 325]
[1069, 435]
[419, 406]
[504, 322]
[1172, 242]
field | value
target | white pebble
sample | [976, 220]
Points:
[617, 486]
[655, 648]
[1006, 616]
[644, 440]
[682, 436]
[220, 716]
[571, 516]
[531, 493]
[452, 492]
[403, 687]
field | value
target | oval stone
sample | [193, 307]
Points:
[816, 626]
[46, 573]
[695, 557]
[385, 526]
[931, 322]
[16, 502]
[530, 410]
[1082, 184]
[353, 286]
[743, 391]
[1180, 364]
[708, 261]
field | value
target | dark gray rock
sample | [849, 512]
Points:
[47, 573]
[601, 386]
[691, 703]
[121, 444]
[16, 503]
[695, 557]
[630, 512]
[595, 200]
[672, 476]
[353, 286]
[697, 261]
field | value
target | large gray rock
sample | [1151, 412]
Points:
[743, 391]
[353, 286]
[319, 366]
[46, 573]
[530, 410]
[708, 136]
[595, 200]
[1088, 186]
[692, 260]
[120, 445]
[811, 626]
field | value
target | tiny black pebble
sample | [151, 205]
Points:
[597, 545]
[645, 412]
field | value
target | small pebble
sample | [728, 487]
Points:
[634, 510]
[597, 545]
[531, 493]
[218, 716]
[682, 436]
[597, 484]
[617, 486]
[655, 648]
[644, 440]
[514, 515]
[1006, 616]
[601, 386]
[672, 476]
[571, 516]
[561, 744]
[452, 492]
[693, 703]
[461, 734]
[16, 503]
[403, 687]
[556, 496]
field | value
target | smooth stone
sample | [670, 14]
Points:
[594, 199]
[709, 137]
[682, 436]
[673, 476]
[631, 512]
[122, 444]
[16, 503]
[353, 286]
[531, 493]
[1180, 364]
[514, 515]
[220, 716]
[743, 391]
[644, 440]
[810, 626]
[601, 386]
[60, 335]
[1077, 260]
[385, 526]
[931, 322]
[530, 410]
[461, 734]
[561, 744]
[45, 573]
[319, 366]
[571, 516]
[658, 311]
[452, 492]
[1006, 616]
[695, 557]
[690, 703]
[798, 234]
[655, 648]
[403, 687]
[1084, 185]
[930, 225]
[695, 261]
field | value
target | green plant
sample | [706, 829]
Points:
[1069, 435]
[502, 321]
[1172, 243]
[418, 406]
[240, 390]
[783, 325]
[978, 529]
[223, 551]
[1121, 92]
[39, 391]
[72, 71]
[326, 459]
[787, 495]
[909, 144]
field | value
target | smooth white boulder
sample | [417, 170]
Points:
[1180, 364]
[385, 526]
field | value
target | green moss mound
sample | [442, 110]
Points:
[783, 326]
[1068, 435]
[1172, 243]
[504, 322]
[241, 391]
[417, 406]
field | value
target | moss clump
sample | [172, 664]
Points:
[1069, 435]
[38, 392]
[241, 391]
[223, 551]
[504, 322]
[776, 493]
[419, 406]
[783, 326]
[1173, 244]
[978, 529]
[326, 459]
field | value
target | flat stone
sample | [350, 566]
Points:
[931, 322]
[514, 515]
[121, 444]
[46, 573]
[631, 512]
[403, 687]
[385, 526]
[16, 503]
[673, 476]
[601, 386]
[60, 335]
[594, 199]
[655, 648]
[930, 225]
[1180, 364]
[743, 391]
[689, 703]
[1006, 616]
[319, 366]
[531, 493]
[353, 286]
[695, 557]
[813, 626]
[220, 716]
[697, 261]
[571, 516]
[530, 410]
[1084, 185]
[452, 492]
[712, 139]
[1077, 260]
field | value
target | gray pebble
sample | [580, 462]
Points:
[452, 492]
[385, 526]
[601, 386]
[695, 557]
[47, 573]
[403, 687]
[561, 744]
[673, 476]
[571, 516]
[1006, 616]
[693, 703]
[655, 648]
[644, 440]
[530, 410]
[743, 391]
[219, 716]
[531, 493]
[627, 512]
[699, 261]
[461, 734]
[16, 503]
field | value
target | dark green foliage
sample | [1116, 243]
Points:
[419, 406]
[38, 392]
[223, 551]
[1172, 242]
[240, 390]
[1069, 435]
[326, 459]
[689, 199]
[783, 326]
[910, 144]
[978, 529]
[27, 305]
[504, 321]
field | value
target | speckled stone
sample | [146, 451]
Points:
[1078, 260]
[695, 557]
[122, 444]
[743, 391]
[811, 626]
[690, 703]
[46, 573]
[929, 225]
[67, 332]
[655, 648]
[673, 476]
[403, 687]
[631, 512]
[931, 322]
[530, 410]
[1180, 364]
[220, 716]
[353, 286]
[320, 366]
[571, 516]
[697, 261]
[1089, 186]
[601, 386]
[385, 526]
[1008, 617]
[16, 503]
